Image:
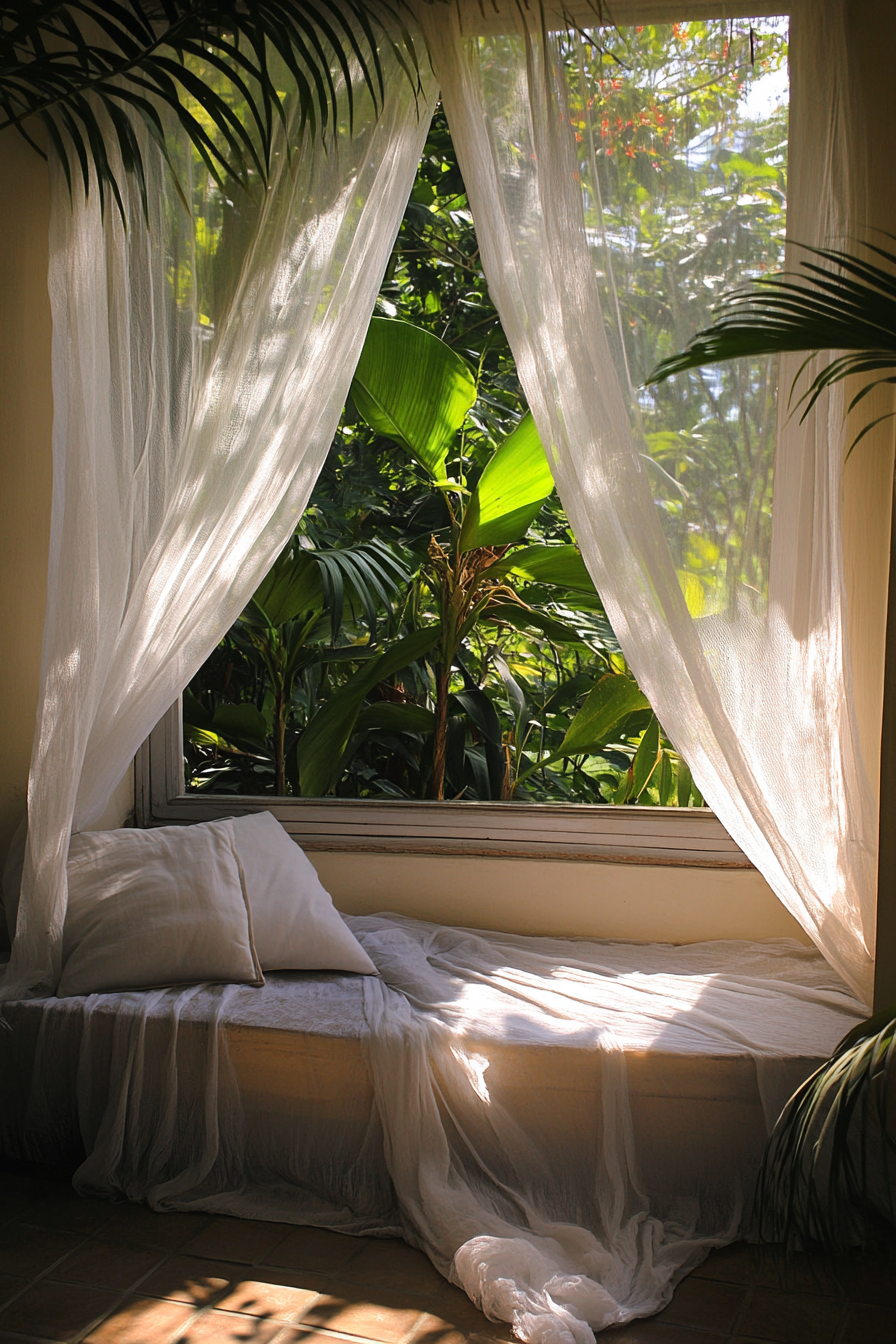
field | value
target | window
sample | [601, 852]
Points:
[686, 132]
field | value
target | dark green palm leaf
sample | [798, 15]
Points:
[852, 309]
[826, 1173]
[89, 70]
[364, 573]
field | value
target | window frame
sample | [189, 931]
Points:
[584, 833]
[648, 836]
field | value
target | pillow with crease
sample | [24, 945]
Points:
[294, 922]
[152, 908]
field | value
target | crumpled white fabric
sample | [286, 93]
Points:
[541, 1116]
[499, 1198]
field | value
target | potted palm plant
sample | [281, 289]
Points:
[825, 1175]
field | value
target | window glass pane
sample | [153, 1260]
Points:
[684, 136]
[432, 631]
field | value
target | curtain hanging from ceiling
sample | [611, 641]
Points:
[746, 664]
[201, 359]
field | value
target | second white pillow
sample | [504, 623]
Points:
[295, 925]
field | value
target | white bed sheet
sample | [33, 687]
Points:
[566, 1127]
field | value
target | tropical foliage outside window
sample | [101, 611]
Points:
[431, 630]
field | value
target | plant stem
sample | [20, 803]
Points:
[279, 739]
[436, 788]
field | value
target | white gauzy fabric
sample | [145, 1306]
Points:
[758, 704]
[200, 363]
[564, 1126]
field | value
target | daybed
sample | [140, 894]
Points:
[566, 1127]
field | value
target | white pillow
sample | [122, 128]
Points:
[294, 922]
[154, 908]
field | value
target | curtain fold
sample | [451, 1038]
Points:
[201, 359]
[756, 692]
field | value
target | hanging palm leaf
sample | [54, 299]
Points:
[89, 71]
[853, 310]
[827, 1175]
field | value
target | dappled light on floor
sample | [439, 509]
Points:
[82, 1271]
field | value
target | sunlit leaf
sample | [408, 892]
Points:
[516, 482]
[560, 565]
[612, 700]
[413, 388]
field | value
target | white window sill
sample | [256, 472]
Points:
[663, 836]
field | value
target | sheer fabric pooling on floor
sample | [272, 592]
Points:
[494, 1125]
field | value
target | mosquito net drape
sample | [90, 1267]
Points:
[743, 656]
[201, 359]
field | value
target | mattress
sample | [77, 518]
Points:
[566, 1127]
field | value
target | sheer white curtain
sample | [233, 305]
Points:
[200, 364]
[757, 697]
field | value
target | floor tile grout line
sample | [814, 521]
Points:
[44, 1273]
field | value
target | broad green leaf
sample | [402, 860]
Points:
[560, 565]
[293, 585]
[614, 697]
[413, 388]
[479, 709]
[242, 728]
[646, 758]
[397, 718]
[694, 592]
[665, 782]
[244, 722]
[684, 784]
[522, 618]
[510, 492]
[567, 691]
[194, 713]
[320, 749]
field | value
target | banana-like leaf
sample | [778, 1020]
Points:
[413, 388]
[242, 727]
[613, 698]
[511, 490]
[93, 70]
[523, 618]
[478, 707]
[646, 758]
[321, 747]
[397, 718]
[562, 566]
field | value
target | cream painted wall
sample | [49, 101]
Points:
[868, 475]
[26, 476]
[25, 465]
[553, 898]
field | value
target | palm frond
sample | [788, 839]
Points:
[826, 1173]
[90, 70]
[366, 573]
[851, 309]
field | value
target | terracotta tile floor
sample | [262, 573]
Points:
[80, 1271]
